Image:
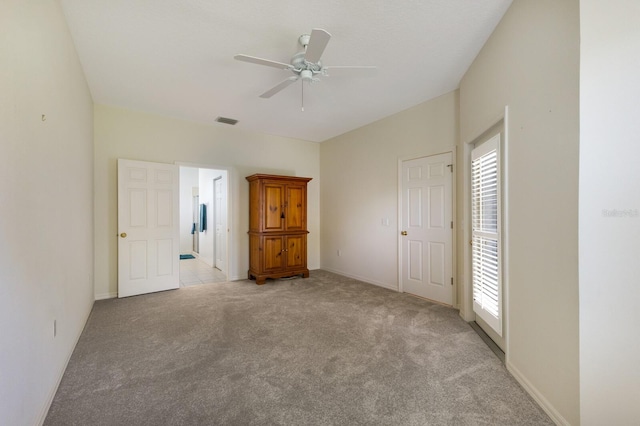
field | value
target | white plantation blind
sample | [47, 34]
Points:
[485, 232]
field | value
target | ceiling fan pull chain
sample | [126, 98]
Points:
[302, 95]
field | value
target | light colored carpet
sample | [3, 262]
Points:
[326, 350]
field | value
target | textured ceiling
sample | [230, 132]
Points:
[175, 58]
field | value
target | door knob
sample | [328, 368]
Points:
[123, 235]
[404, 232]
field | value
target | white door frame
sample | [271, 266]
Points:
[466, 303]
[231, 179]
[454, 250]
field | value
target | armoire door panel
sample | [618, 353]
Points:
[296, 251]
[272, 248]
[295, 211]
[273, 207]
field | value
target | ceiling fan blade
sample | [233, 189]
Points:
[317, 44]
[260, 61]
[361, 71]
[269, 93]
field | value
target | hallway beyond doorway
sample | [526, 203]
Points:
[195, 272]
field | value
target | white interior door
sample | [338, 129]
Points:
[427, 227]
[195, 210]
[148, 227]
[219, 207]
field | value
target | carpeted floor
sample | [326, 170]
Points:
[326, 350]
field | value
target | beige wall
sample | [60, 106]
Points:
[360, 187]
[120, 133]
[46, 206]
[49, 189]
[531, 64]
[609, 181]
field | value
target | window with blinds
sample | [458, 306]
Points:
[485, 233]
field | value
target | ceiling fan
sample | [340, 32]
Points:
[305, 65]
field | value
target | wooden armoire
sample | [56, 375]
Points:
[277, 226]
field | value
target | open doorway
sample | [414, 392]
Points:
[203, 225]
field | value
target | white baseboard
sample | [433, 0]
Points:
[52, 394]
[102, 296]
[537, 396]
[359, 278]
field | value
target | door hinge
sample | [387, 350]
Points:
[451, 224]
[451, 280]
[450, 166]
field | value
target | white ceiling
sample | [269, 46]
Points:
[175, 57]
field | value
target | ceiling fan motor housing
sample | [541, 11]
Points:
[299, 64]
[306, 75]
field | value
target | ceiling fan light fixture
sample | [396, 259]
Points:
[306, 75]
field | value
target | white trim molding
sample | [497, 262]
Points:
[104, 296]
[359, 278]
[537, 396]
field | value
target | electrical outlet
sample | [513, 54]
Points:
[55, 328]
[339, 253]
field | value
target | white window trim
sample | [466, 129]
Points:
[497, 123]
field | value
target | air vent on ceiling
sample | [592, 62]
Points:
[226, 120]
